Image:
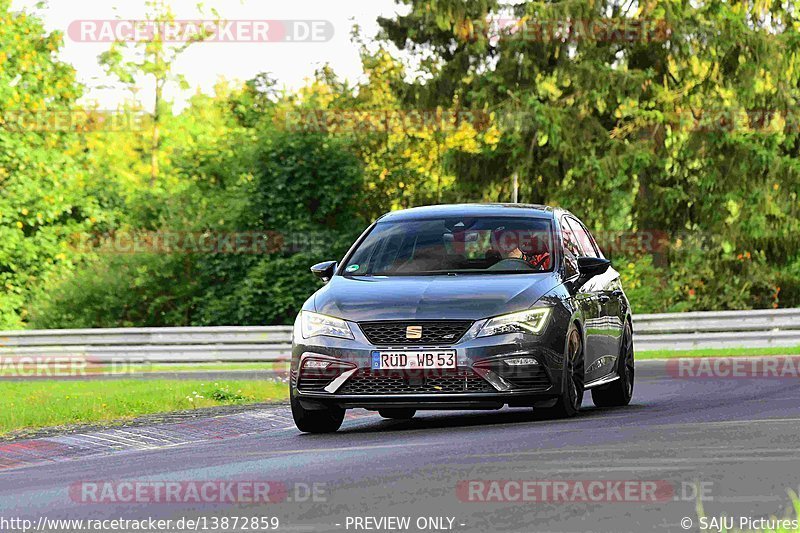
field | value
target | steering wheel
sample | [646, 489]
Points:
[511, 263]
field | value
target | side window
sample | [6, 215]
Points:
[571, 249]
[587, 247]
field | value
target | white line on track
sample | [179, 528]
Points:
[621, 447]
[664, 460]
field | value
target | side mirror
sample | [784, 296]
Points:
[324, 270]
[589, 267]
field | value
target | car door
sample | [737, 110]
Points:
[585, 298]
[606, 331]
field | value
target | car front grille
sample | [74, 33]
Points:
[396, 333]
[314, 384]
[367, 381]
[533, 377]
[316, 379]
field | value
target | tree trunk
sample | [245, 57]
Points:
[155, 142]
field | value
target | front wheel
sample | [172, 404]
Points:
[619, 392]
[326, 420]
[569, 401]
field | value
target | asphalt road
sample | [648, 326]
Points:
[735, 441]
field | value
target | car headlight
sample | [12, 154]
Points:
[531, 321]
[315, 324]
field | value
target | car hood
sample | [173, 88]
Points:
[431, 297]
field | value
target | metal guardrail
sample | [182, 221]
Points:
[756, 328]
[674, 331]
[153, 345]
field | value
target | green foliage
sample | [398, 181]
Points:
[42, 196]
[664, 133]
[121, 290]
[223, 394]
[306, 193]
[644, 284]
[153, 58]
[696, 281]
[691, 132]
[308, 182]
[308, 190]
[271, 292]
[788, 282]
[690, 280]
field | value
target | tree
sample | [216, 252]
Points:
[688, 127]
[42, 198]
[154, 58]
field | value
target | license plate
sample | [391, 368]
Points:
[422, 359]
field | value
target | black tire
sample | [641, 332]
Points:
[325, 420]
[569, 401]
[398, 413]
[619, 393]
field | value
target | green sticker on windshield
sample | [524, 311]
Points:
[351, 268]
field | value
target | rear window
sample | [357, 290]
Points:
[485, 245]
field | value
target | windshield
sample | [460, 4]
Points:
[483, 245]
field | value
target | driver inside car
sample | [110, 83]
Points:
[525, 245]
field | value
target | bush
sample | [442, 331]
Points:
[308, 183]
[703, 274]
[645, 285]
[307, 189]
[706, 275]
[271, 292]
[121, 290]
[788, 282]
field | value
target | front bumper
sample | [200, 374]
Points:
[488, 383]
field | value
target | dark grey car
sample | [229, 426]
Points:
[463, 307]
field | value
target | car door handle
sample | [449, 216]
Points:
[617, 294]
[603, 298]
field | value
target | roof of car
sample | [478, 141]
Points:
[471, 210]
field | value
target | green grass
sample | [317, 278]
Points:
[213, 366]
[26, 405]
[718, 352]
[36, 404]
[94, 369]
